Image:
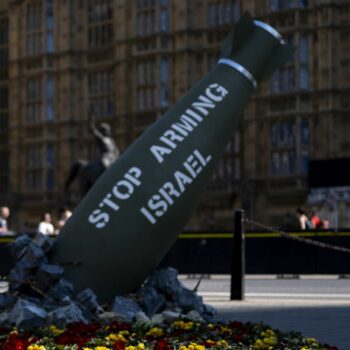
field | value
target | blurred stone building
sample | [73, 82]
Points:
[132, 60]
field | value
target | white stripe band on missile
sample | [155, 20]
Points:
[240, 69]
[271, 30]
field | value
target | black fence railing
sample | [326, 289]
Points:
[265, 253]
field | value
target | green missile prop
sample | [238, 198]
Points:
[131, 217]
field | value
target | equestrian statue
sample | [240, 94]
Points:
[87, 172]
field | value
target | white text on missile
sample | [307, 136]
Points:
[160, 202]
[188, 121]
[122, 190]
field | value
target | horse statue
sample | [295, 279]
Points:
[87, 172]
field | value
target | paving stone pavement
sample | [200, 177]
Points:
[316, 306]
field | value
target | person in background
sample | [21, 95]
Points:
[45, 226]
[316, 222]
[65, 214]
[304, 222]
[4, 215]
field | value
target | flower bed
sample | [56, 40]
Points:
[178, 335]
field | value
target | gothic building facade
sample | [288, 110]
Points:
[132, 60]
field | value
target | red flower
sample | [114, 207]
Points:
[68, 338]
[83, 328]
[209, 344]
[119, 326]
[236, 325]
[119, 345]
[15, 342]
[238, 338]
[162, 344]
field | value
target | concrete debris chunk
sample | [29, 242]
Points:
[27, 315]
[165, 281]
[110, 316]
[170, 316]
[49, 304]
[17, 277]
[157, 319]
[126, 307]
[33, 258]
[88, 298]
[141, 317]
[61, 289]
[44, 242]
[209, 312]
[19, 245]
[194, 316]
[188, 300]
[66, 314]
[4, 319]
[6, 301]
[151, 300]
[177, 296]
[47, 275]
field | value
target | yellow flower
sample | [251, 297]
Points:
[269, 341]
[210, 342]
[305, 348]
[36, 347]
[124, 332]
[130, 347]
[87, 349]
[140, 346]
[224, 329]
[311, 340]
[268, 333]
[192, 346]
[155, 332]
[55, 331]
[111, 337]
[210, 326]
[101, 348]
[222, 343]
[115, 337]
[259, 344]
[183, 325]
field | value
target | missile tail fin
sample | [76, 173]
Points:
[237, 36]
[226, 45]
[281, 55]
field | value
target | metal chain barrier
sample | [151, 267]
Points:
[297, 238]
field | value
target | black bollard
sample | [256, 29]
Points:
[238, 258]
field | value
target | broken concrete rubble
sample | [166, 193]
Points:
[66, 314]
[47, 275]
[25, 315]
[40, 295]
[125, 306]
